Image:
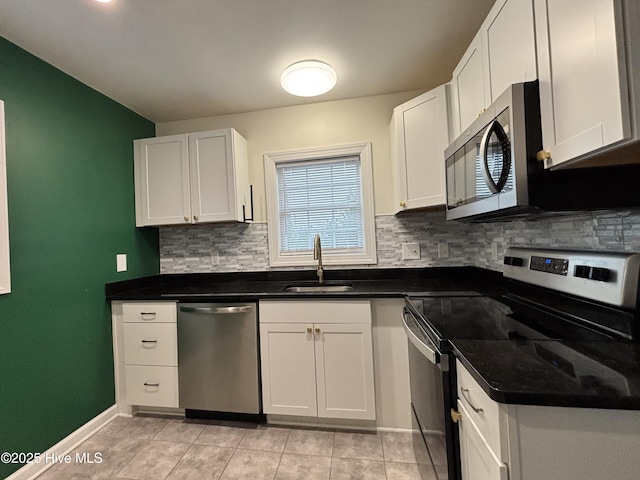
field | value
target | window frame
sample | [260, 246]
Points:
[271, 162]
[5, 269]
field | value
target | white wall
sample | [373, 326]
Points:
[320, 124]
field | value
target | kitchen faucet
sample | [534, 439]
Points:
[317, 255]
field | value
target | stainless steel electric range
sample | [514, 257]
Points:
[565, 316]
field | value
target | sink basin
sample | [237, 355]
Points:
[317, 288]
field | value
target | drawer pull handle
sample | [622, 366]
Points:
[149, 341]
[467, 397]
[151, 384]
[148, 315]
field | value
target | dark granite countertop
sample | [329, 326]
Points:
[555, 373]
[545, 372]
[365, 283]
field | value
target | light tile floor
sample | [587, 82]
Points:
[156, 448]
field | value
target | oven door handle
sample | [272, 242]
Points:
[429, 353]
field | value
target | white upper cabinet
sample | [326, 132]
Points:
[192, 178]
[587, 52]
[508, 46]
[503, 52]
[467, 87]
[419, 135]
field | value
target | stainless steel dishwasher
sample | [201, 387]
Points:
[218, 369]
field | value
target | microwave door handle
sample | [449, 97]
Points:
[506, 156]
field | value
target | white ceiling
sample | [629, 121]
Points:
[178, 59]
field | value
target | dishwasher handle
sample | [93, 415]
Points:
[218, 310]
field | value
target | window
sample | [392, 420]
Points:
[326, 191]
[5, 278]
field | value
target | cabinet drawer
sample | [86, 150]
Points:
[477, 458]
[150, 344]
[313, 311]
[484, 412]
[152, 386]
[148, 312]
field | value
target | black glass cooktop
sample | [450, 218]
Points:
[486, 318]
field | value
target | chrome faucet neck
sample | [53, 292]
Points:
[317, 255]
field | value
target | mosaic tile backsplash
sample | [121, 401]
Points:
[244, 247]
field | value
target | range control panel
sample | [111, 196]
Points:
[610, 277]
[557, 266]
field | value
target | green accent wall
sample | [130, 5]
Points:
[71, 210]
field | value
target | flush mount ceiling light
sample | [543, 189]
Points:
[308, 78]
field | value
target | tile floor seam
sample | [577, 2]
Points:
[227, 464]
[131, 459]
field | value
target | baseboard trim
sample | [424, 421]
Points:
[66, 445]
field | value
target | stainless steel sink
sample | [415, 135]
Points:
[318, 288]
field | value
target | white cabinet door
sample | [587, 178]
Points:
[467, 87]
[162, 181]
[477, 460]
[509, 49]
[582, 72]
[344, 366]
[219, 177]
[420, 134]
[288, 369]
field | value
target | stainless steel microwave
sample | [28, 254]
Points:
[489, 166]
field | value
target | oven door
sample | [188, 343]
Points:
[435, 440]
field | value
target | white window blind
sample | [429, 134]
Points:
[320, 196]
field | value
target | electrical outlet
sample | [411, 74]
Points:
[494, 251]
[410, 251]
[121, 262]
[215, 258]
[443, 250]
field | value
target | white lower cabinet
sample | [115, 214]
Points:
[146, 354]
[528, 442]
[317, 359]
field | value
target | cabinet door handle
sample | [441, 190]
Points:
[467, 397]
[317, 330]
[151, 384]
[245, 217]
[195, 218]
[186, 218]
[309, 330]
[456, 416]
